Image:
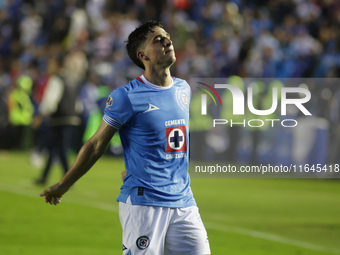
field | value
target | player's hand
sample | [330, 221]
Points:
[53, 194]
[123, 175]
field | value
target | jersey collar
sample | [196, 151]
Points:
[146, 82]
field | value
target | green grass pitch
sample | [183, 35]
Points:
[242, 216]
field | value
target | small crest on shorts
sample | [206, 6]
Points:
[143, 242]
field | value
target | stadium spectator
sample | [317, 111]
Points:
[20, 112]
[5, 141]
[59, 107]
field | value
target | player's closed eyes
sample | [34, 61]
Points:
[161, 39]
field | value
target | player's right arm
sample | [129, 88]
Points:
[91, 151]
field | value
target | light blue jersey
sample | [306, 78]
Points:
[153, 127]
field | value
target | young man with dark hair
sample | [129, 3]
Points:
[156, 206]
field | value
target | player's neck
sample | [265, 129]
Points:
[158, 77]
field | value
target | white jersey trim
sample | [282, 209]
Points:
[155, 86]
[112, 122]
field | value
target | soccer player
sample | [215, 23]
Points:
[157, 210]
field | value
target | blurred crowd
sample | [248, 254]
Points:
[83, 43]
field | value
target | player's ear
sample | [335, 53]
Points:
[141, 55]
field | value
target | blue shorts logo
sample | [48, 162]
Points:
[143, 242]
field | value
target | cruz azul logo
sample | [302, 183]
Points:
[176, 139]
[284, 96]
[143, 242]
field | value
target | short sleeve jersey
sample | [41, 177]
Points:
[153, 127]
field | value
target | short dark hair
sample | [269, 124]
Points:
[137, 38]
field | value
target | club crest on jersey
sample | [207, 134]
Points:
[109, 101]
[184, 99]
[176, 139]
[143, 242]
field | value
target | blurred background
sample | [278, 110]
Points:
[59, 59]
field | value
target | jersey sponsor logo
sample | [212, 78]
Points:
[176, 155]
[143, 242]
[151, 108]
[109, 101]
[174, 122]
[176, 139]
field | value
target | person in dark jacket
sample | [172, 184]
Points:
[59, 106]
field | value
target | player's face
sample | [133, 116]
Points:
[158, 49]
